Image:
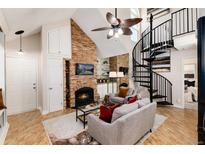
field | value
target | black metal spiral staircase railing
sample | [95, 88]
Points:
[154, 43]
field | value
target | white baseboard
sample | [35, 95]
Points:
[44, 112]
[3, 137]
[178, 106]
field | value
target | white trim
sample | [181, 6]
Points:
[178, 106]
[5, 130]
[44, 112]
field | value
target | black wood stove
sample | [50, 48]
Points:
[84, 96]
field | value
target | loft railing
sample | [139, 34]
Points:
[184, 21]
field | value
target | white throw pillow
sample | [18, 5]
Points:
[143, 102]
[142, 92]
[123, 110]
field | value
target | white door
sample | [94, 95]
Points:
[55, 84]
[65, 42]
[53, 42]
[21, 79]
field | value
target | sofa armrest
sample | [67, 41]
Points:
[103, 132]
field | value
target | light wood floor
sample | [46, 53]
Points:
[179, 128]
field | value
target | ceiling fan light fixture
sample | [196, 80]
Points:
[118, 26]
[111, 32]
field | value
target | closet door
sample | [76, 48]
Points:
[53, 42]
[65, 42]
[55, 84]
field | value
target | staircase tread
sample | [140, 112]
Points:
[143, 65]
[145, 85]
[149, 59]
[163, 67]
[155, 53]
[141, 76]
[154, 90]
[158, 96]
[158, 47]
[142, 81]
[162, 58]
[163, 103]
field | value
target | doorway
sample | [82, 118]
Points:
[190, 83]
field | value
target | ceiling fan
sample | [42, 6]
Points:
[118, 26]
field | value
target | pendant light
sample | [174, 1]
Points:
[20, 32]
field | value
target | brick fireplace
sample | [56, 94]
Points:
[83, 51]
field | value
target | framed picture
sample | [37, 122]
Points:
[84, 69]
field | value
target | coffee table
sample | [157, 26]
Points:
[83, 111]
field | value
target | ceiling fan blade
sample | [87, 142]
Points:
[102, 28]
[126, 31]
[112, 19]
[111, 34]
[130, 22]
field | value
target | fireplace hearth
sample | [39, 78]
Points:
[84, 96]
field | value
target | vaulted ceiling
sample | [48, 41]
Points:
[89, 19]
[31, 20]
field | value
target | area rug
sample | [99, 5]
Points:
[65, 130]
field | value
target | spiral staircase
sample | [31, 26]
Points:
[149, 50]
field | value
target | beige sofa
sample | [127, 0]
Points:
[127, 129]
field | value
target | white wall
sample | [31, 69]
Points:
[176, 74]
[31, 50]
[201, 12]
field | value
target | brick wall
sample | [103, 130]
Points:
[83, 51]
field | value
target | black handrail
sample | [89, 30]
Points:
[184, 21]
[160, 36]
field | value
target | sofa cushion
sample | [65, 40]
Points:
[143, 102]
[123, 91]
[123, 110]
[142, 93]
[106, 112]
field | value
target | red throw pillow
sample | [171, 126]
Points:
[106, 112]
[132, 99]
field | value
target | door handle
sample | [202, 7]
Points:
[50, 88]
